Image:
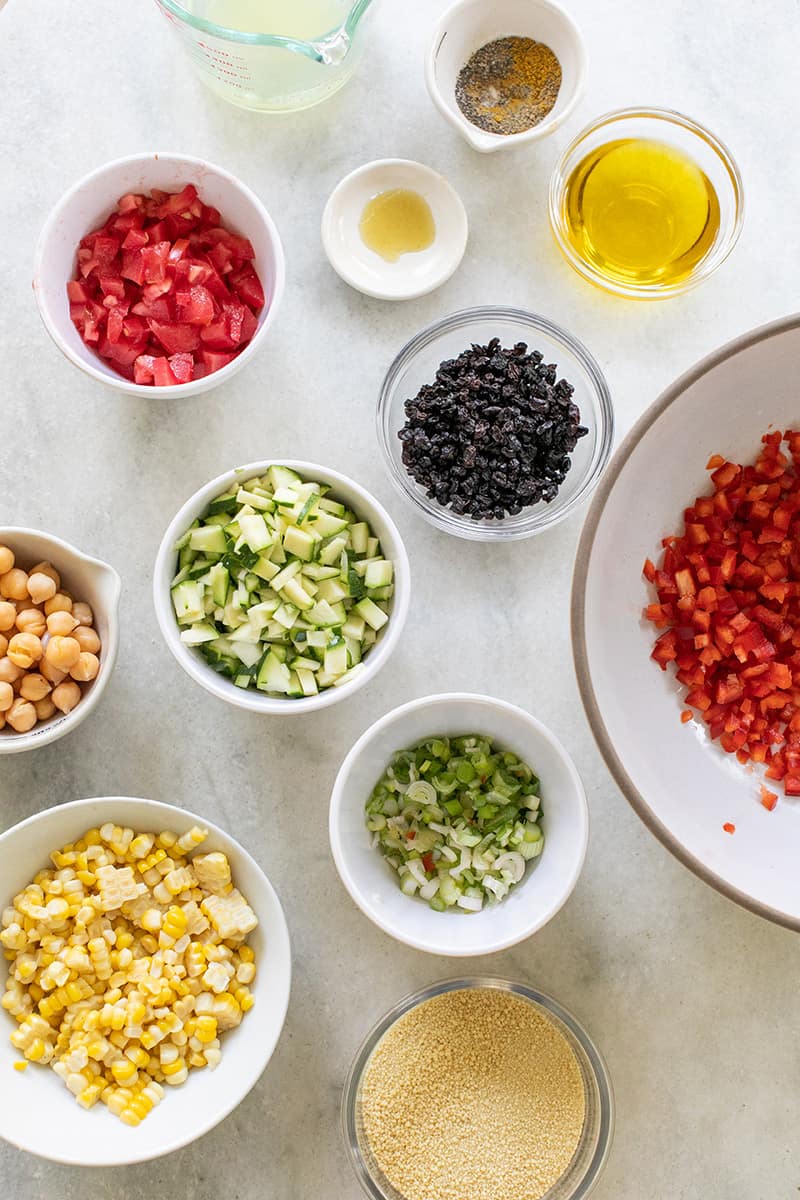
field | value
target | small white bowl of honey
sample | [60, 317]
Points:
[394, 229]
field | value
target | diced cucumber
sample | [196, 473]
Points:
[327, 525]
[296, 593]
[375, 617]
[373, 546]
[219, 583]
[210, 539]
[323, 614]
[359, 534]
[335, 661]
[379, 573]
[282, 578]
[301, 663]
[332, 506]
[281, 477]
[253, 498]
[222, 504]
[318, 572]
[286, 615]
[354, 627]
[201, 631]
[265, 569]
[297, 541]
[332, 591]
[187, 600]
[255, 532]
[247, 652]
[332, 551]
[307, 682]
[318, 637]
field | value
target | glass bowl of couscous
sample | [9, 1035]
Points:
[478, 1087]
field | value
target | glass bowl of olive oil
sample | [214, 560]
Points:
[646, 203]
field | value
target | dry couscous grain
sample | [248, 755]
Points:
[473, 1093]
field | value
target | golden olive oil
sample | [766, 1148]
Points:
[397, 222]
[641, 212]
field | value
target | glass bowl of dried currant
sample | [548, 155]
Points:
[495, 423]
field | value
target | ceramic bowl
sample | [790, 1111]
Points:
[88, 204]
[348, 492]
[469, 24]
[683, 786]
[417, 364]
[412, 274]
[547, 883]
[591, 1154]
[37, 1113]
[87, 579]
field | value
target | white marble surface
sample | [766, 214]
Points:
[692, 1000]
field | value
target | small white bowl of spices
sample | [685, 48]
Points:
[507, 72]
[394, 229]
[478, 1087]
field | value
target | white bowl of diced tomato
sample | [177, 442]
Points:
[159, 274]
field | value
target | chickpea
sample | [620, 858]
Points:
[4, 645]
[34, 686]
[8, 615]
[31, 620]
[61, 623]
[66, 696]
[61, 602]
[14, 584]
[87, 639]
[83, 613]
[9, 671]
[52, 674]
[21, 716]
[25, 649]
[6, 696]
[2, 720]
[62, 652]
[47, 568]
[6, 559]
[44, 708]
[86, 667]
[40, 587]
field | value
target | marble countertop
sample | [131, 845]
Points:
[691, 999]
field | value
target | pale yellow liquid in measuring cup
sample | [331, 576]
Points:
[305, 19]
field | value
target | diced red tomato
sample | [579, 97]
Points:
[166, 295]
[427, 861]
[728, 611]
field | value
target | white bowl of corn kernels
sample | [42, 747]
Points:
[147, 982]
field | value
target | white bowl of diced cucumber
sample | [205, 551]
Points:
[547, 880]
[281, 586]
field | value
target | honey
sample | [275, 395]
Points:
[397, 222]
[641, 212]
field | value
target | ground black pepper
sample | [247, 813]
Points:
[509, 85]
[493, 433]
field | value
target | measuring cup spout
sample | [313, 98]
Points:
[332, 49]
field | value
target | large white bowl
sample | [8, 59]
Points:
[37, 1113]
[86, 579]
[88, 204]
[548, 881]
[348, 492]
[682, 785]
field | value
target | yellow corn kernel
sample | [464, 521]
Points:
[244, 998]
[20, 1065]
[151, 860]
[138, 1056]
[174, 1067]
[90, 1095]
[124, 1071]
[191, 839]
[141, 846]
[167, 839]
[118, 1099]
[151, 920]
[197, 1060]
[246, 954]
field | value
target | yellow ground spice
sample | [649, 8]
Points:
[509, 85]
[473, 1093]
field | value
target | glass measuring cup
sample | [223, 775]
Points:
[270, 55]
